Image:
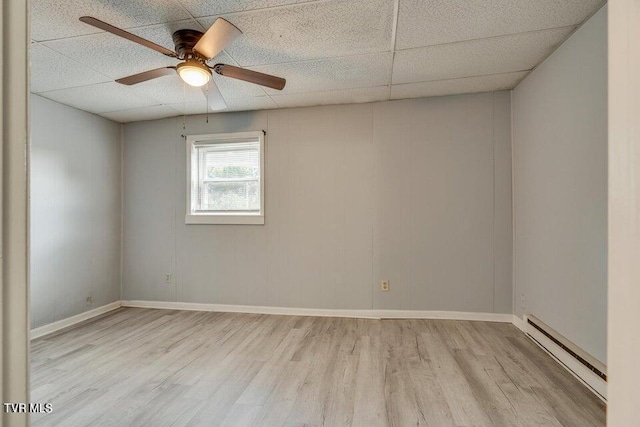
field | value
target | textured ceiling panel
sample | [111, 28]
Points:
[199, 8]
[100, 98]
[246, 104]
[311, 31]
[53, 19]
[242, 104]
[190, 108]
[495, 55]
[169, 90]
[335, 73]
[431, 22]
[113, 56]
[348, 96]
[457, 86]
[330, 51]
[161, 33]
[139, 114]
[51, 71]
[233, 88]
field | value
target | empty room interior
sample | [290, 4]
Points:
[324, 212]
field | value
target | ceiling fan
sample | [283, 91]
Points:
[194, 49]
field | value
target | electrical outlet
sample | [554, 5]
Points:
[384, 286]
[168, 277]
[89, 300]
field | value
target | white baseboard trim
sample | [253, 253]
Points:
[229, 308]
[593, 382]
[444, 315]
[321, 312]
[519, 323]
[70, 321]
[285, 311]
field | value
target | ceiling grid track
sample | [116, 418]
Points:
[394, 33]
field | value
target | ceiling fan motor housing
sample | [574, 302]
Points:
[184, 41]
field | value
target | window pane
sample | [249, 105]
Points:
[229, 177]
[239, 160]
[231, 196]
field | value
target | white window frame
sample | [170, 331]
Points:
[192, 217]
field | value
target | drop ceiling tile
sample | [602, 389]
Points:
[311, 31]
[139, 114]
[170, 90]
[113, 56]
[162, 33]
[100, 98]
[517, 52]
[247, 104]
[333, 73]
[199, 8]
[348, 96]
[241, 104]
[51, 70]
[233, 88]
[53, 19]
[457, 86]
[191, 108]
[431, 22]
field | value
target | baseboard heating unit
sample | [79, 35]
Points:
[581, 364]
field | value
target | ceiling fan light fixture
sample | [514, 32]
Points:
[194, 73]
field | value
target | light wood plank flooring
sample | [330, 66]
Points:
[145, 367]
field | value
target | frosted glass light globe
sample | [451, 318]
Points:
[194, 73]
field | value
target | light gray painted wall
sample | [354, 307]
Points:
[415, 191]
[75, 211]
[560, 183]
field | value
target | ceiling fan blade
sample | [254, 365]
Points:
[250, 76]
[147, 75]
[214, 97]
[127, 35]
[217, 37]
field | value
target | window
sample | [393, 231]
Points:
[225, 178]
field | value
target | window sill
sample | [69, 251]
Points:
[224, 219]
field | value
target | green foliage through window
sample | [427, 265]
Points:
[214, 172]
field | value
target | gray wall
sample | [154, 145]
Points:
[415, 191]
[560, 189]
[75, 211]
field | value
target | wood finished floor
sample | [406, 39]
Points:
[143, 367]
